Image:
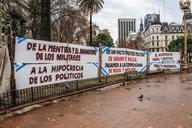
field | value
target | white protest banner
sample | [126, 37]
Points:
[164, 60]
[32, 75]
[36, 51]
[120, 60]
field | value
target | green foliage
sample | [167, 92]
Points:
[2, 19]
[45, 24]
[18, 22]
[35, 16]
[175, 45]
[92, 6]
[104, 38]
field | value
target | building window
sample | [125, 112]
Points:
[157, 44]
[153, 30]
[166, 43]
[158, 50]
[173, 37]
[166, 37]
[157, 37]
[153, 43]
[173, 29]
[152, 37]
[157, 29]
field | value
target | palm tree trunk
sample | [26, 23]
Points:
[45, 30]
[90, 43]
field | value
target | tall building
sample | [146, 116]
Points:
[125, 27]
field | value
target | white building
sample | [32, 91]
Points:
[132, 36]
[157, 35]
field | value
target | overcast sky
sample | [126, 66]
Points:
[114, 9]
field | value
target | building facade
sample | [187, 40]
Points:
[125, 27]
[131, 37]
[157, 36]
[151, 19]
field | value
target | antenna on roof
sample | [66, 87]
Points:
[164, 9]
[153, 6]
[159, 11]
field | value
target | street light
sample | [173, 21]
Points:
[185, 7]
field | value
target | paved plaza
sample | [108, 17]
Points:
[167, 103]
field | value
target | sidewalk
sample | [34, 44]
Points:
[167, 104]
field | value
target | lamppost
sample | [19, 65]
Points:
[185, 7]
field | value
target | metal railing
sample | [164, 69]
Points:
[33, 94]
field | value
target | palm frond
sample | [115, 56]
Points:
[90, 6]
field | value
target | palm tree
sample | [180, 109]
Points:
[45, 29]
[90, 7]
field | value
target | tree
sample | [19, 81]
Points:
[34, 17]
[18, 22]
[104, 38]
[175, 45]
[69, 24]
[14, 17]
[2, 19]
[135, 43]
[45, 28]
[90, 7]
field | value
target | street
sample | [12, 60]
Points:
[167, 103]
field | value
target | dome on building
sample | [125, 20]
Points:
[155, 19]
[152, 19]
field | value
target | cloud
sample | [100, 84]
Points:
[114, 9]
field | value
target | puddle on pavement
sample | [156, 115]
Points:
[157, 99]
[74, 100]
[148, 86]
[183, 81]
[158, 81]
[188, 88]
[128, 88]
[189, 79]
[79, 113]
[190, 116]
[157, 86]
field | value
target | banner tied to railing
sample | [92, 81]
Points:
[164, 60]
[119, 61]
[35, 51]
[32, 75]
[39, 63]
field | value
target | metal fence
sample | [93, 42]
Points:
[63, 89]
[33, 94]
[15, 97]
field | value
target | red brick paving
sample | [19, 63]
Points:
[167, 104]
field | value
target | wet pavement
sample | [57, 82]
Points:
[167, 103]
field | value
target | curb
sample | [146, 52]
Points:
[19, 110]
